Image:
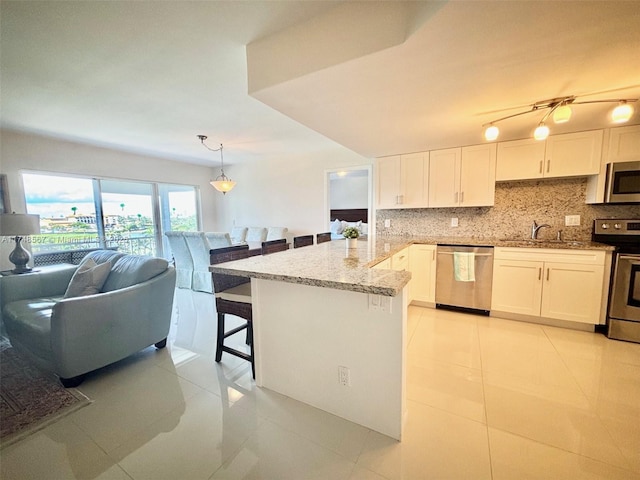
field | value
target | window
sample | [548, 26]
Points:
[82, 213]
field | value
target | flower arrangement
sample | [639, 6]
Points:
[351, 232]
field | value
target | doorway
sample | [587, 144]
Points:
[350, 189]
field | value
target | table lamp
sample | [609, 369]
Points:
[18, 225]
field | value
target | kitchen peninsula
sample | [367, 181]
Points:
[320, 310]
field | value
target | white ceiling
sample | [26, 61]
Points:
[377, 77]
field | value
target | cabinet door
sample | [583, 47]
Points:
[414, 170]
[520, 159]
[572, 292]
[478, 175]
[422, 265]
[444, 177]
[400, 260]
[388, 181]
[624, 144]
[573, 154]
[517, 286]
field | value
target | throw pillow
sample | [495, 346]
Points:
[88, 279]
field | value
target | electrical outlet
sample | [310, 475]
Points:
[454, 221]
[387, 222]
[572, 220]
[379, 303]
[344, 376]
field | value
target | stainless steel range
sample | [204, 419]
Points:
[623, 312]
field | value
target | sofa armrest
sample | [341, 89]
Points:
[51, 281]
[95, 330]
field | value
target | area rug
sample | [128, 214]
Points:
[30, 399]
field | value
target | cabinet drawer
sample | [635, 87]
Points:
[584, 257]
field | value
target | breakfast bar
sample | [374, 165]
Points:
[330, 331]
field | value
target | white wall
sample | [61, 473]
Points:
[22, 151]
[286, 191]
[349, 192]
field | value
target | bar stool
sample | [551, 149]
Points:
[323, 237]
[233, 297]
[273, 246]
[302, 241]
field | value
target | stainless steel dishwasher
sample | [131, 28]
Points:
[464, 275]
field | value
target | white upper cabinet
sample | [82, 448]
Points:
[402, 181]
[462, 177]
[520, 159]
[444, 177]
[478, 176]
[568, 155]
[573, 154]
[388, 182]
[624, 144]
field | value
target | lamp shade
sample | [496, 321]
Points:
[19, 224]
[541, 132]
[622, 113]
[562, 114]
[491, 133]
[223, 186]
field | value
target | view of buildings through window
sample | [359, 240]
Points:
[83, 213]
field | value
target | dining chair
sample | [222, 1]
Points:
[273, 246]
[199, 249]
[233, 297]
[323, 237]
[181, 259]
[302, 241]
[218, 239]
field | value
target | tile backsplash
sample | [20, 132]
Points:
[517, 205]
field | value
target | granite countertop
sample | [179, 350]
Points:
[330, 265]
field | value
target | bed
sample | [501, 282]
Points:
[348, 217]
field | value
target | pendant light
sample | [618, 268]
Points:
[222, 183]
[560, 111]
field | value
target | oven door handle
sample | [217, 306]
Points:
[634, 259]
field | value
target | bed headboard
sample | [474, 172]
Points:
[351, 215]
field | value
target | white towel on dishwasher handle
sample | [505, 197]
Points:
[464, 266]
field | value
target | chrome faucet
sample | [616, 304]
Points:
[535, 228]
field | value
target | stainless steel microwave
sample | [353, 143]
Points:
[623, 182]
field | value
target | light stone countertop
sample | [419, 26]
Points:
[331, 265]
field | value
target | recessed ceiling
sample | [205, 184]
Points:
[376, 77]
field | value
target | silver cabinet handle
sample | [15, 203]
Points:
[548, 274]
[540, 166]
[548, 165]
[539, 273]
[399, 199]
[461, 197]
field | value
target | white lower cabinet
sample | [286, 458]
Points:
[422, 265]
[549, 283]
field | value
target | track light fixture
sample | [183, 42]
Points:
[222, 183]
[560, 111]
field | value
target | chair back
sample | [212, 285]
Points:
[224, 281]
[199, 249]
[302, 241]
[274, 246]
[323, 237]
[182, 259]
[276, 233]
[218, 239]
[256, 234]
[238, 235]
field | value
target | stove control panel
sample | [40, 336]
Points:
[616, 226]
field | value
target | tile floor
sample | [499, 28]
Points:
[487, 399]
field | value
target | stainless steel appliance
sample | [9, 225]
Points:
[463, 277]
[623, 312]
[623, 182]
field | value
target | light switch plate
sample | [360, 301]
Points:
[572, 220]
[387, 222]
[454, 221]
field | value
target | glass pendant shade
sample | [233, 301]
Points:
[491, 133]
[562, 114]
[223, 184]
[541, 132]
[622, 113]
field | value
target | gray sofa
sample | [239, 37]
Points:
[72, 332]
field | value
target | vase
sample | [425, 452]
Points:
[351, 243]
